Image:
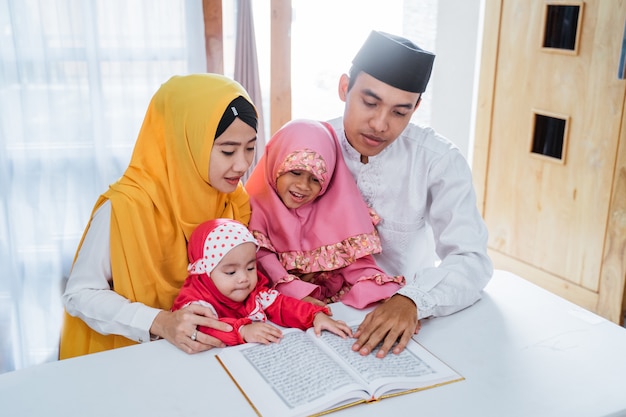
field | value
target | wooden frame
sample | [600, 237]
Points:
[533, 122]
[280, 76]
[213, 36]
[486, 91]
[580, 4]
[613, 276]
[280, 60]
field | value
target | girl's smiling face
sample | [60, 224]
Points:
[297, 188]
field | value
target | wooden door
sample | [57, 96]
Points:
[550, 164]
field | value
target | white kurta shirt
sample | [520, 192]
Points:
[431, 230]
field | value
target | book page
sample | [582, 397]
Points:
[311, 373]
[304, 374]
[296, 371]
[370, 367]
[413, 368]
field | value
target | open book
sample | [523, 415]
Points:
[307, 375]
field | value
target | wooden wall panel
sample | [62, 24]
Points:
[558, 223]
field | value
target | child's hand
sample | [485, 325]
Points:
[260, 333]
[314, 301]
[323, 322]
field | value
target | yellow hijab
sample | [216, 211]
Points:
[161, 198]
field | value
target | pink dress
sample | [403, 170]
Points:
[324, 248]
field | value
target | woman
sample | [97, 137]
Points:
[196, 142]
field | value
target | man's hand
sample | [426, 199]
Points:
[394, 320]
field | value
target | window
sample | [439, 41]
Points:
[76, 77]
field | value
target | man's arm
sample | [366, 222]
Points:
[460, 238]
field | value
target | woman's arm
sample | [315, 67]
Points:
[89, 294]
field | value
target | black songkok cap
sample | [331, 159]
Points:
[395, 61]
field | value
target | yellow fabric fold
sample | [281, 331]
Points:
[161, 198]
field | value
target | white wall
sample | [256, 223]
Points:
[459, 35]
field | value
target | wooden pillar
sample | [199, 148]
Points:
[213, 35]
[280, 64]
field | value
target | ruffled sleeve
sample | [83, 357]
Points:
[283, 281]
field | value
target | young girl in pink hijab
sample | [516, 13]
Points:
[316, 233]
[223, 276]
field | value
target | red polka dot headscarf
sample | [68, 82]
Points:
[212, 240]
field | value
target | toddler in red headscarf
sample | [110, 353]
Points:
[316, 233]
[224, 277]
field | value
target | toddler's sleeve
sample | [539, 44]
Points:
[290, 312]
[231, 338]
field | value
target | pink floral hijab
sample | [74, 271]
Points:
[337, 215]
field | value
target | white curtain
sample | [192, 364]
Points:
[76, 77]
[247, 70]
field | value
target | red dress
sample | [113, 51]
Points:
[262, 304]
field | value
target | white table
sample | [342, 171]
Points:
[523, 351]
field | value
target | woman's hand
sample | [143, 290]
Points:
[260, 332]
[180, 328]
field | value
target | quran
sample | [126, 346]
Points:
[307, 375]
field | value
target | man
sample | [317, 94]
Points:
[420, 185]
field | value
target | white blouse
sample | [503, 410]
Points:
[431, 230]
[89, 294]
